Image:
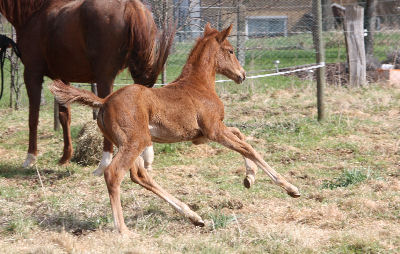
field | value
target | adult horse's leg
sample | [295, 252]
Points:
[33, 83]
[221, 134]
[104, 89]
[251, 168]
[65, 120]
[140, 176]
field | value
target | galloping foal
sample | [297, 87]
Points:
[187, 109]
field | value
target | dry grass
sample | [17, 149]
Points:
[71, 213]
[89, 145]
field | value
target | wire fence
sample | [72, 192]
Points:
[268, 35]
[277, 36]
[271, 37]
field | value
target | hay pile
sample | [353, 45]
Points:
[89, 147]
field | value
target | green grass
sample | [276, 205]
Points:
[348, 177]
[346, 168]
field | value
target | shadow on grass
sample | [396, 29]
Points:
[9, 170]
[71, 222]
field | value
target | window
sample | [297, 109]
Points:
[261, 26]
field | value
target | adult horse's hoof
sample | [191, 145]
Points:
[67, 155]
[29, 161]
[63, 161]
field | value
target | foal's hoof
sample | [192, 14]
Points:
[248, 181]
[199, 223]
[293, 192]
[98, 172]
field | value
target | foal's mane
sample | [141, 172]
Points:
[200, 44]
[196, 53]
[18, 11]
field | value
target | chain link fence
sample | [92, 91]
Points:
[279, 35]
[270, 37]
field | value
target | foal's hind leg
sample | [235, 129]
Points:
[104, 88]
[140, 176]
[113, 175]
[251, 168]
[148, 157]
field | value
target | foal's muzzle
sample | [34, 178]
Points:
[241, 77]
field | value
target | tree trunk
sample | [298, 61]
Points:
[354, 35]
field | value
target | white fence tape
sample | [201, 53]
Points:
[320, 65]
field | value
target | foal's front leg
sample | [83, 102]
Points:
[223, 135]
[251, 168]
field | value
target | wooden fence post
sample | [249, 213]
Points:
[320, 57]
[241, 32]
[354, 34]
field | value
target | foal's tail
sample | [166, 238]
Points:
[69, 94]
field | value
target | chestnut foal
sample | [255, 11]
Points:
[187, 109]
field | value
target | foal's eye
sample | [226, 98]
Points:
[230, 51]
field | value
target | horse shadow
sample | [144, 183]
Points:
[9, 170]
[70, 222]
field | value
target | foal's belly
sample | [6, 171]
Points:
[161, 134]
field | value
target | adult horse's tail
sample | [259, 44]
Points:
[149, 48]
[5, 43]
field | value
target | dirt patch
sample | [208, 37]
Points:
[337, 74]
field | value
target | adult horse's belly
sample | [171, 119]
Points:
[65, 49]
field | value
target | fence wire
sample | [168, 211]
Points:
[269, 36]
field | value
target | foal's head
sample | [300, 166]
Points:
[226, 62]
[213, 49]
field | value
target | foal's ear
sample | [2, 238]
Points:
[207, 29]
[223, 34]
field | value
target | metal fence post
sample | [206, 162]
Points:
[320, 57]
[241, 32]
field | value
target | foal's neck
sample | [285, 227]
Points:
[199, 70]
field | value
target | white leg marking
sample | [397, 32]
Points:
[148, 157]
[29, 161]
[178, 208]
[105, 161]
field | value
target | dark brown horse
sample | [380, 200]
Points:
[88, 41]
[187, 109]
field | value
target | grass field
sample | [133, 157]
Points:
[346, 167]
